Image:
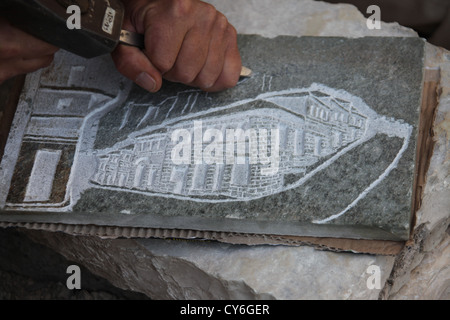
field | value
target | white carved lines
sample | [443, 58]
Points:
[61, 123]
[76, 75]
[266, 83]
[312, 123]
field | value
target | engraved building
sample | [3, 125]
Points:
[309, 126]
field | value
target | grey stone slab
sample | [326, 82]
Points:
[320, 141]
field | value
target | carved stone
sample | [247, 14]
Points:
[320, 141]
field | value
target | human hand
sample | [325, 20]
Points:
[186, 41]
[21, 53]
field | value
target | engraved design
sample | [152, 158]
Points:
[310, 126]
[293, 134]
[316, 126]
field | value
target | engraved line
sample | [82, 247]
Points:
[363, 194]
[49, 207]
[173, 106]
[187, 104]
[162, 195]
[327, 163]
[76, 90]
[70, 189]
[156, 114]
[49, 140]
[126, 116]
[146, 115]
[176, 100]
[195, 101]
[43, 137]
[47, 116]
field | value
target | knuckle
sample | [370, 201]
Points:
[222, 23]
[186, 76]
[181, 8]
[163, 65]
[205, 81]
[231, 32]
[209, 12]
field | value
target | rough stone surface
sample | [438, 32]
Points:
[39, 273]
[419, 272]
[430, 279]
[302, 18]
[180, 269]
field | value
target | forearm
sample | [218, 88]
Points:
[20, 52]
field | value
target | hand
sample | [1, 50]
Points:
[186, 41]
[21, 53]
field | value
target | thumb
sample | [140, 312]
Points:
[134, 64]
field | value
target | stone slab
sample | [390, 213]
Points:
[331, 126]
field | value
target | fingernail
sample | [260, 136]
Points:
[146, 81]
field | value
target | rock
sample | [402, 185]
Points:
[302, 18]
[41, 273]
[421, 269]
[431, 278]
[183, 269]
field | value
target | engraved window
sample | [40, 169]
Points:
[199, 178]
[241, 174]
